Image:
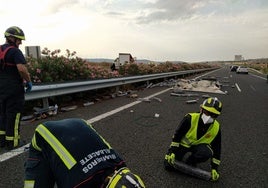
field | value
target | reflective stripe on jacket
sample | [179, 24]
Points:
[191, 136]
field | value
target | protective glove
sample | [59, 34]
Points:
[170, 158]
[214, 175]
[28, 86]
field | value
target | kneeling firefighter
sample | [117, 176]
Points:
[199, 135]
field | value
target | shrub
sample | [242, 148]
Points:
[53, 67]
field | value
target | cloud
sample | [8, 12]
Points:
[53, 7]
[170, 10]
[158, 11]
[153, 29]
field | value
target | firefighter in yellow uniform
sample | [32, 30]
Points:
[199, 135]
[71, 154]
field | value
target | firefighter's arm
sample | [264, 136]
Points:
[182, 129]
[23, 71]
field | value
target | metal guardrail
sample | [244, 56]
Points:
[50, 90]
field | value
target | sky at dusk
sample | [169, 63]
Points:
[158, 30]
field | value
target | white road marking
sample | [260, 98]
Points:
[237, 87]
[12, 153]
[258, 76]
[15, 152]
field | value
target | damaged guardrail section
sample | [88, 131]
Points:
[50, 90]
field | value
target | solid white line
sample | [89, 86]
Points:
[12, 153]
[258, 76]
[15, 152]
[237, 87]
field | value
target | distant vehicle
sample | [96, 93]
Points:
[242, 70]
[233, 68]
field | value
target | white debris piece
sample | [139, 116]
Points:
[156, 115]
[210, 86]
[205, 96]
[88, 103]
[144, 99]
[192, 101]
[184, 94]
[157, 99]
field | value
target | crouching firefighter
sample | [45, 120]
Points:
[71, 154]
[198, 136]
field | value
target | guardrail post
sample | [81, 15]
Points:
[117, 89]
[45, 102]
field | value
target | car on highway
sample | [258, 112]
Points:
[242, 70]
[234, 68]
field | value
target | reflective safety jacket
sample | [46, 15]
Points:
[75, 154]
[191, 136]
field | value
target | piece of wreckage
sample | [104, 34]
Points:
[185, 88]
[204, 85]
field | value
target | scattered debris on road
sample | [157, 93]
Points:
[210, 86]
[157, 99]
[144, 99]
[192, 101]
[184, 94]
[180, 88]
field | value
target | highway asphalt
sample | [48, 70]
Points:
[143, 139]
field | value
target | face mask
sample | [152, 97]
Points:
[207, 119]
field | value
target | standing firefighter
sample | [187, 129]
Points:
[13, 73]
[71, 154]
[199, 135]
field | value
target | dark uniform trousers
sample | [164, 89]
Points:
[198, 154]
[10, 116]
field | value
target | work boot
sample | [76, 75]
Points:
[21, 143]
[10, 145]
[168, 167]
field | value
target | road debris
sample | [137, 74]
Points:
[184, 94]
[144, 99]
[68, 108]
[134, 95]
[205, 96]
[209, 85]
[192, 101]
[157, 99]
[120, 94]
[150, 85]
[88, 104]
